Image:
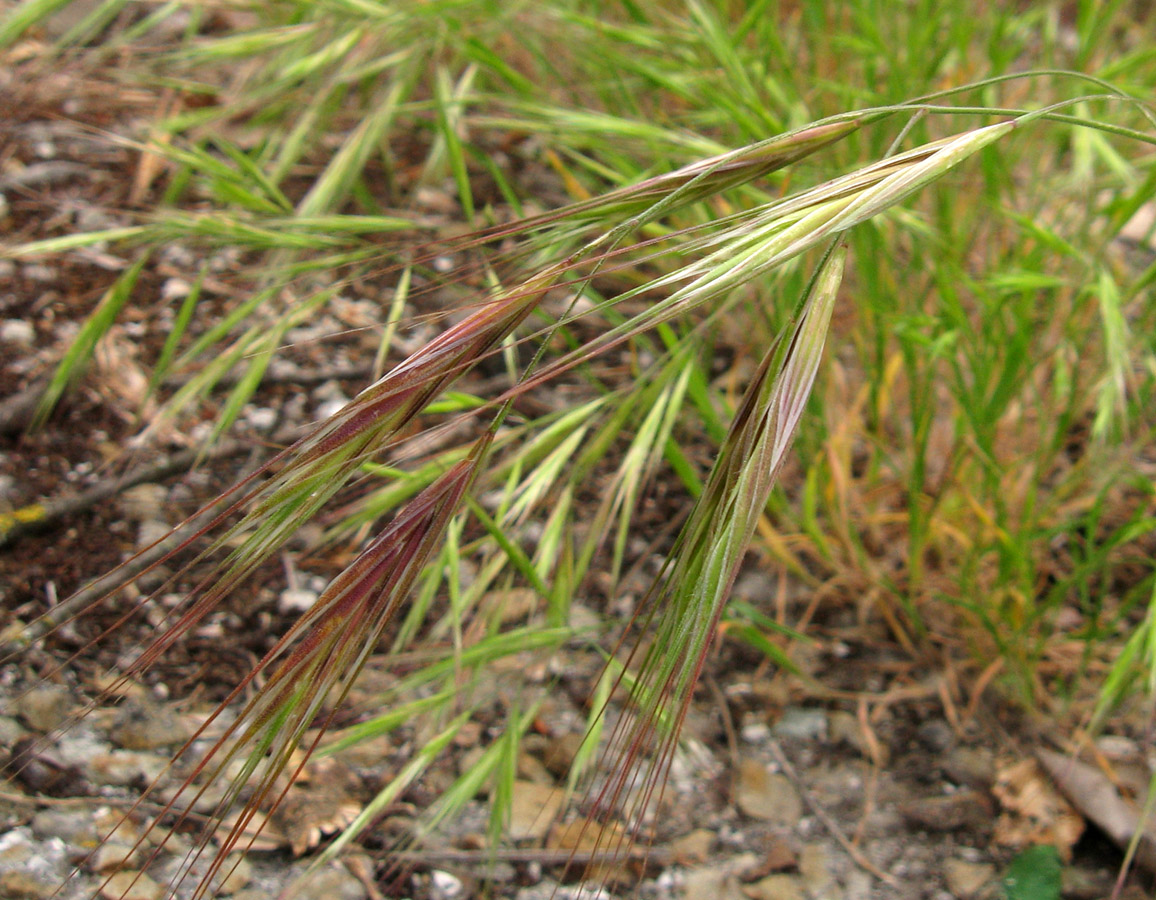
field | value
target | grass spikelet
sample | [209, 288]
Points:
[316, 467]
[707, 554]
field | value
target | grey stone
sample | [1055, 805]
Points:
[31, 869]
[142, 725]
[801, 724]
[936, 735]
[125, 767]
[79, 745]
[70, 825]
[973, 767]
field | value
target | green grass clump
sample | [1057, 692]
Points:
[638, 194]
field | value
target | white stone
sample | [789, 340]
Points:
[296, 600]
[17, 331]
[444, 886]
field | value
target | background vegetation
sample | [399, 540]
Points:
[973, 476]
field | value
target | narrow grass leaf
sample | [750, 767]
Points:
[84, 345]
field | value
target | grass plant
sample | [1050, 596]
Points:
[970, 461]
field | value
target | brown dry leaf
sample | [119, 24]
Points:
[1094, 794]
[117, 378]
[1034, 811]
[259, 833]
[153, 162]
[326, 798]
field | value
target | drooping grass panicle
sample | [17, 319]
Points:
[311, 667]
[307, 474]
[330, 642]
[767, 237]
[705, 559]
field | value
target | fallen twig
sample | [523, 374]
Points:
[38, 516]
[825, 818]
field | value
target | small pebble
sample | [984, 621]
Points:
[296, 600]
[776, 887]
[31, 869]
[972, 767]
[694, 847]
[967, 809]
[815, 866]
[766, 796]
[532, 809]
[332, 883]
[262, 418]
[329, 408]
[10, 731]
[142, 725]
[44, 708]
[966, 879]
[801, 724]
[238, 873]
[445, 886]
[125, 767]
[131, 886]
[175, 289]
[144, 501]
[17, 331]
[38, 272]
[150, 531]
[79, 829]
[755, 731]
[936, 735]
[111, 856]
